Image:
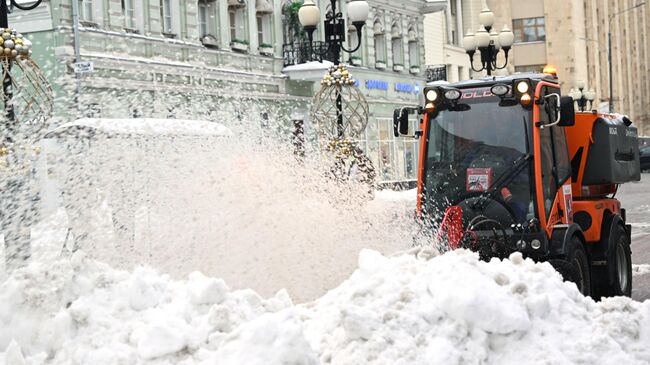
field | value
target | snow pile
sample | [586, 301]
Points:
[405, 309]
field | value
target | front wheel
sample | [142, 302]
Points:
[575, 268]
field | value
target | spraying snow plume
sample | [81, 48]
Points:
[236, 205]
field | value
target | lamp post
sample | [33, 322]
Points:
[309, 16]
[582, 97]
[489, 43]
[334, 24]
[609, 52]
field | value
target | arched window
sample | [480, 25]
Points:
[397, 48]
[380, 44]
[353, 41]
[414, 56]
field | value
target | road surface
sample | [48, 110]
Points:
[635, 198]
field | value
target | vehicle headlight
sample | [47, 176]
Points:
[452, 94]
[500, 89]
[522, 87]
[431, 95]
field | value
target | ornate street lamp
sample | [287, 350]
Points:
[582, 97]
[309, 16]
[489, 43]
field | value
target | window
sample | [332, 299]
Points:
[529, 30]
[203, 19]
[452, 7]
[264, 13]
[166, 16]
[128, 10]
[236, 17]
[86, 10]
[380, 47]
[233, 24]
[263, 29]
[379, 43]
[397, 47]
[530, 68]
[353, 42]
[207, 16]
[413, 54]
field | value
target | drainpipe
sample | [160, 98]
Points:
[77, 51]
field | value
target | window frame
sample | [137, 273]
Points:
[166, 20]
[129, 14]
[86, 10]
[519, 28]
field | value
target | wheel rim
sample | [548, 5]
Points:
[621, 267]
[582, 282]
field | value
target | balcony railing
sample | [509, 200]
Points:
[436, 73]
[297, 53]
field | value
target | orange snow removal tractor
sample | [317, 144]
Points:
[506, 164]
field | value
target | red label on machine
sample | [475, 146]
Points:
[478, 179]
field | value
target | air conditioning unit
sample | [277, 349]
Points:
[210, 41]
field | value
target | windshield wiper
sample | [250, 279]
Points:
[504, 179]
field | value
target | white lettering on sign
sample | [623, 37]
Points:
[630, 133]
[612, 130]
[83, 67]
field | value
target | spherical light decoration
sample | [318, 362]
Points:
[354, 106]
[14, 41]
[349, 163]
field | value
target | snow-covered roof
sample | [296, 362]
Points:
[142, 126]
[309, 71]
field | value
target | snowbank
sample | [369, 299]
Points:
[405, 309]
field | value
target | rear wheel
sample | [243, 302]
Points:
[575, 268]
[617, 279]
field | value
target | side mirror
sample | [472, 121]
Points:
[567, 112]
[400, 122]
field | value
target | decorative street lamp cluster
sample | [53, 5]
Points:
[489, 43]
[309, 16]
[582, 97]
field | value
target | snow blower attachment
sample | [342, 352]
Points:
[513, 167]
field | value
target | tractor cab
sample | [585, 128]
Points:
[494, 162]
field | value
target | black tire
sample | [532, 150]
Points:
[575, 268]
[617, 276]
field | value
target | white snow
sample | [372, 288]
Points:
[309, 66]
[641, 269]
[451, 309]
[147, 126]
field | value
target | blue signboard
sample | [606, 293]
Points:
[376, 84]
[404, 88]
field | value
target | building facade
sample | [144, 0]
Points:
[444, 54]
[226, 59]
[570, 35]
